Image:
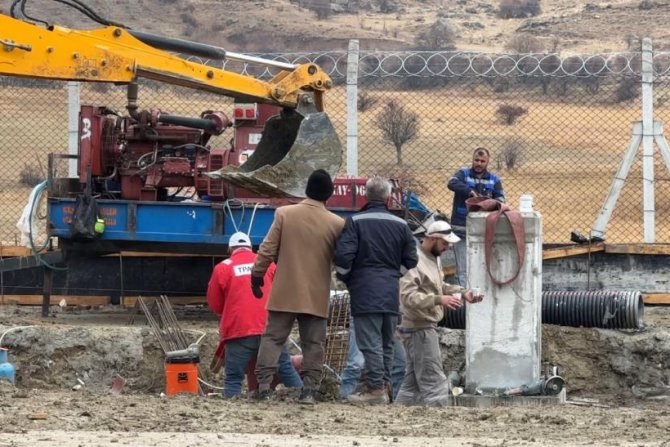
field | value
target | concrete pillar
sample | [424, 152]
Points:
[503, 338]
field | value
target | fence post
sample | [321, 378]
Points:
[648, 142]
[352, 108]
[644, 133]
[73, 106]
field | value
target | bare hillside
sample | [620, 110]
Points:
[294, 25]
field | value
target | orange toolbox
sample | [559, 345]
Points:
[181, 374]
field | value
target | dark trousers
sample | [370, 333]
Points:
[312, 331]
[241, 351]
[374, 336]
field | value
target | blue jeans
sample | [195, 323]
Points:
[239, 351]
[354, 368]
[356, 363]
[375, 339]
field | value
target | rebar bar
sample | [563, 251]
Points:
[337, 339]
[165, 325]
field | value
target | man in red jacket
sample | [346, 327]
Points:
[243, 316]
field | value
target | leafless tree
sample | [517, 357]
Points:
[398, 126]
[31, 175]
[510, 155]
[365, 101]
[509, 113]
[407, 177]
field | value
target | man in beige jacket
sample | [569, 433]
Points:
[301, 241]
[423, 296]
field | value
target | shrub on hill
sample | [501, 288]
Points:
[518, 9]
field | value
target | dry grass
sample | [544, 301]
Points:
[571, 151]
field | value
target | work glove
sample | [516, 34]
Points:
[256, 284]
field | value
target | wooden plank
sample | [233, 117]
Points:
[10, 251]
[131, 301]
[149, 254]
[7, 251]
[639, 249]
[550, 253]
[71, 300]
[564, 252]
[656, 298]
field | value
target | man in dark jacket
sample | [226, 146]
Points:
[374, 250]
[475, 181]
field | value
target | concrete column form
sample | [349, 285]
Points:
[503, 338]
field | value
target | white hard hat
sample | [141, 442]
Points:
[239, 239]
[442, 230]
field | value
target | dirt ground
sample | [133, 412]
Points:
[616, 382]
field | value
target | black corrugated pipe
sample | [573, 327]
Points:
[597, 308]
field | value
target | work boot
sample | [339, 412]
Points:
[389, 391]
[377, 397]
[307, 396]
[263, 395]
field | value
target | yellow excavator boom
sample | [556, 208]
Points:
[291, 147]
[114, 54]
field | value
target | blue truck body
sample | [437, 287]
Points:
[166, 223]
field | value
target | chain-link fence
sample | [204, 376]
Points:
[557, 128]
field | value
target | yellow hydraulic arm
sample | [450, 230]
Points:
[120, 55]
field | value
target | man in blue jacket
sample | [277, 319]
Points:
[374, 250]
[475, 181]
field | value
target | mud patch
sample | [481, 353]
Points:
[607, 367]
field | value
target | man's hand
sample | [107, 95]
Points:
[474, 194]
[451, 301]
[256, 284]
[470, 296]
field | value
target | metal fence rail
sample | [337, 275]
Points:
[557, 126]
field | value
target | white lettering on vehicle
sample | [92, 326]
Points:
[85, 128]
[345, 190]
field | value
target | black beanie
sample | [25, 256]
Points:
[319, 186]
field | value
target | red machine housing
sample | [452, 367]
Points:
[139, 158]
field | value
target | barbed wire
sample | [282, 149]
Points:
[448, 64]
[458, 64]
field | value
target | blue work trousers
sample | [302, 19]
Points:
[356, 364]
[239, 352]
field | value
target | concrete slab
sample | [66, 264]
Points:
[477, 401]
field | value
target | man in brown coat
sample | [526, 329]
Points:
[301, 241]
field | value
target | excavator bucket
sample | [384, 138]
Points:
[293, 145]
